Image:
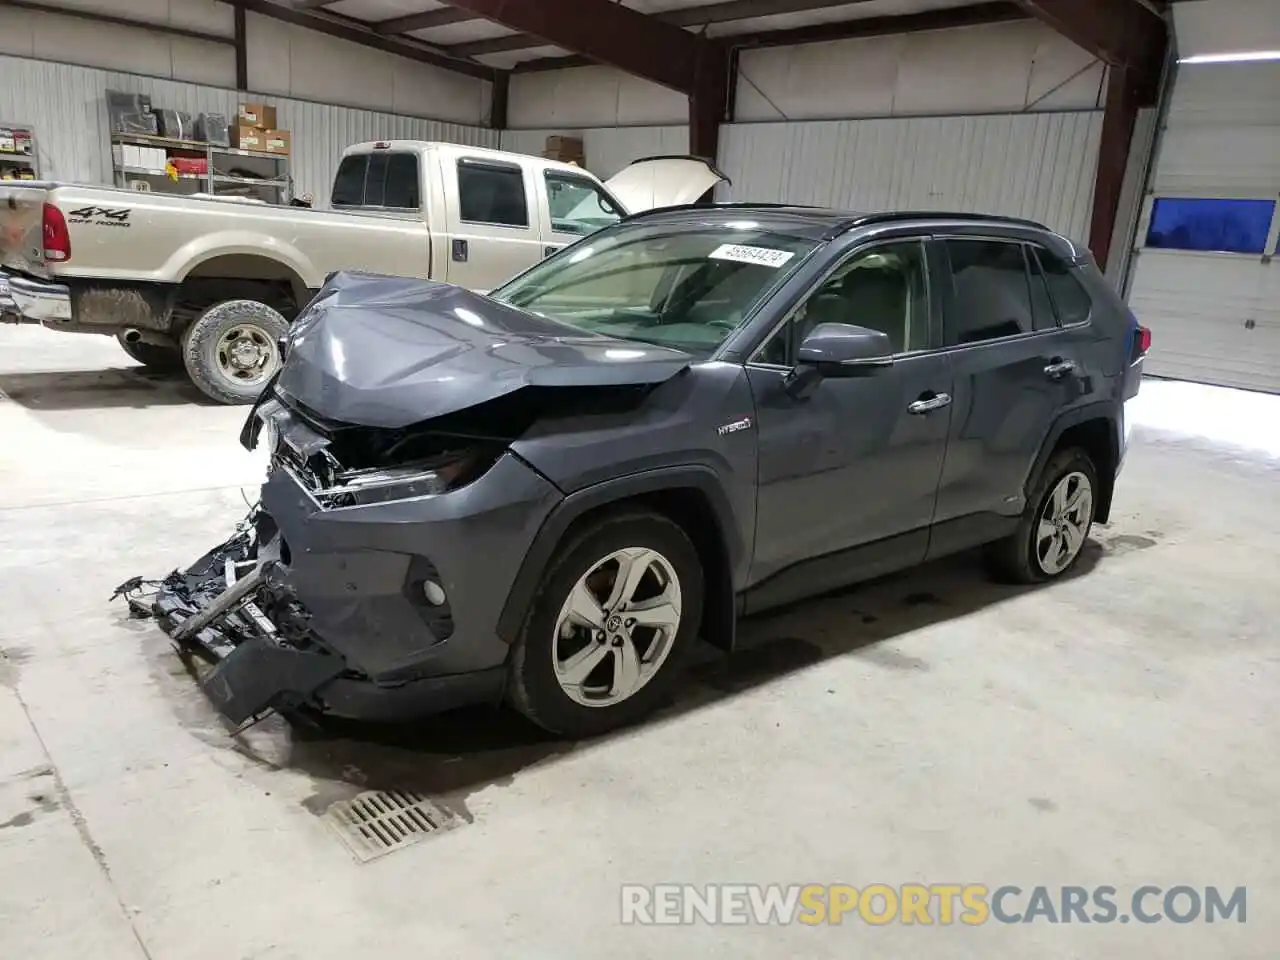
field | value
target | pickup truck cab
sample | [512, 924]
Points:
[210, 284]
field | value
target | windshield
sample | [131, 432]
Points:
[687, 289]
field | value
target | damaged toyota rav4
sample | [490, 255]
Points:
[546, 494]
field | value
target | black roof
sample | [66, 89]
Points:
[812, 223]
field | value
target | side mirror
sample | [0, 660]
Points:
[845, 350]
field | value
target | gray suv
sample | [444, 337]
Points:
[544, 495]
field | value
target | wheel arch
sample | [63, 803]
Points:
[248, 267]
[1095, 429]
[692, 496]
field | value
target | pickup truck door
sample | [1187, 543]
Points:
[572, 205]
[492, 229]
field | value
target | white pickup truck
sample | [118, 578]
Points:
[210, 284]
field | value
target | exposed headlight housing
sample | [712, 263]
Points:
[385, 484]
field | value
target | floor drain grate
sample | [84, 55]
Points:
[379, 822]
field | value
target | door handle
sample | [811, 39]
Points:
[929, 404]
[459, 251]
[1059, 368]
[548, 251]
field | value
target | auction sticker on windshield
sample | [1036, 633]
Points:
[764, 256]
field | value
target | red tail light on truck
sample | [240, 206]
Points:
[57, 239]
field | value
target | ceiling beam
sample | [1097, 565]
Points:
[702, 16]
[1120, 33]
[950, 18]
[92, 17]
[606, 32]
[358, 32]
[427, 20]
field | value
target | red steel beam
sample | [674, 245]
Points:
[606, 32]
[1118, 120]
[1120, 33]
[944, 19]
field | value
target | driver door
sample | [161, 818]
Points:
[849, 470]
[573, 207]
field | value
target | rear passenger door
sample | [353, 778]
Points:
[1015, 369]
[492, 231]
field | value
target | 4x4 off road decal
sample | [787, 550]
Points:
[101, 216]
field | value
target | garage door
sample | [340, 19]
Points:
[1205, 277]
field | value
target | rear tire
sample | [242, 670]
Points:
[1050, 539]
[152, 356]
[232, 349]
[626, 669]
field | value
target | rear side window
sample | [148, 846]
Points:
[379, 179]
[1042, 312]
[992, 295]
[348, 185]
[1070, 299]
[492, 193]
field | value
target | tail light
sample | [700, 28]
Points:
[1141, 342]
[57, 239]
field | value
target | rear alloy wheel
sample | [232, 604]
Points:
[616, 612]
[233, 349]
[1055, 525]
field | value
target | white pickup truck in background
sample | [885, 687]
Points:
[210, 284]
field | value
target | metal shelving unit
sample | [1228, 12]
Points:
[15, 161]
[277, 185]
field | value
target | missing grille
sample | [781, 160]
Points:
[379, 822]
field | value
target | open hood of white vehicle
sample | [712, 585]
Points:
[663, 182]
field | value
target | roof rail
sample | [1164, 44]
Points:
[895, 215]
[728, 205]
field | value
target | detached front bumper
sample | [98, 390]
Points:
[23, 300]
[342, 620]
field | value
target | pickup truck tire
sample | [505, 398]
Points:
[233, 349]
[153, 356]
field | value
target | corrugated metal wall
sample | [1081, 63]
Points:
[1037, 165]
[608, 149]
[66, 105]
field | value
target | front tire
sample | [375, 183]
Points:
[152, 356]
[617, 611]
[233, 349]
[1055, 525]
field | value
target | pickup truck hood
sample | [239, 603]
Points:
[653, 182]
[389, 352]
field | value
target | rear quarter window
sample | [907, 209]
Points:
[1070, 299]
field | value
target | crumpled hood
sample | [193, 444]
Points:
[391, 351]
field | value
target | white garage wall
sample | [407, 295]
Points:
[998, 68]
[608, 149]
[66, 106]
[283, 60]
[1036, 165]
[46, 36]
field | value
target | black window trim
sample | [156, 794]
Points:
[364, 182]
[586, 181]
[1036, 248]
[948, 305]
[922, 240]
[501, 166]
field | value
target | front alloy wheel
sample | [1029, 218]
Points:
[618, 607]
[617, 627]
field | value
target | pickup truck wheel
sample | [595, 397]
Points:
[153, 356]
[233, 349]
[617, 610]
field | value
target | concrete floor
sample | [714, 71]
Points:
[1119, 728]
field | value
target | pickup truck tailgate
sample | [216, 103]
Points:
[22, 227]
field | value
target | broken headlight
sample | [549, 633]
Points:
[385, 484]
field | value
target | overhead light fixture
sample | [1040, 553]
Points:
[1250, 56]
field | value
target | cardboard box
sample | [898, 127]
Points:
[246, 137]
[258, 115]
[277, 141]
[570, 145]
